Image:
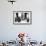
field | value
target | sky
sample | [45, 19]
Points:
[9, 31]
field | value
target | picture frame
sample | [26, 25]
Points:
[22, 17]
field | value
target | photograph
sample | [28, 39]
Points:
[22, 17]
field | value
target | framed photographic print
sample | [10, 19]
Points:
[22, 17]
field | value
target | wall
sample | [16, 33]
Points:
[9, 31]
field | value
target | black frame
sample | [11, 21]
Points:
[23, 23]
